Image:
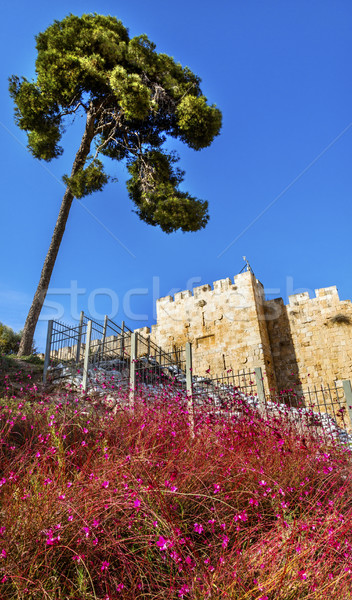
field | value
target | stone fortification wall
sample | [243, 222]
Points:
[232, 326]
[311, 338]
[225, 324]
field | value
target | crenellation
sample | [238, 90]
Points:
[296, 299]
[165, 300]
[328, 292]
[182, 295]
[199, 291]
[222, 284]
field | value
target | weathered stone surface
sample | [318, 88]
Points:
[232, 326]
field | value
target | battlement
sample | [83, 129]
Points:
[329, 294]
[240, 281]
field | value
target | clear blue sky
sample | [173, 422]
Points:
[281, 73]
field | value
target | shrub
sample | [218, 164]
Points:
[9, 340]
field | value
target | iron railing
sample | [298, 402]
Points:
[106, 354]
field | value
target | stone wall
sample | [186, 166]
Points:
[225, 324]
[232, 326]
[311, 338]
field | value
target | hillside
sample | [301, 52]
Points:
[125, 505]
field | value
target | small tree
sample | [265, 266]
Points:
[9, 340]
[133, 98]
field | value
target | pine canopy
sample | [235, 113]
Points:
[133, 97]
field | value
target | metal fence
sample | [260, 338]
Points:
[88, 345]
[326, 409]
[106, 352]
[99, 352]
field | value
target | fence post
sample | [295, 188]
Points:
[133, 358]
[86, 355]
[79, 341]
[348, 395]
[122, 340]
[104, 337]
[47, 349]
[259, 382]
[189, 387]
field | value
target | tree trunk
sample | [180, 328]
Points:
[26, 343]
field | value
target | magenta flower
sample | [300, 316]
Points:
[120, 587]
[225, 541]
[184, 590]
[105, 484]
[198, 527]
[162, 543]
[104, 565]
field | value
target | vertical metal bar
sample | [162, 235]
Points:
[86, 355]
[260, 384]
[47, 349]
[104, 337]
[133, 358]
[348, 395]
[79, 341]
[189, 387]
[123, 340]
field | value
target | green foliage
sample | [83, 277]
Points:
[9, 340]
[198, 122]
[154, 189]
[136, 98]
[86, 181]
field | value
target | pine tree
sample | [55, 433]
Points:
[133, 99]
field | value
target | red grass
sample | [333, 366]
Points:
[129, 505]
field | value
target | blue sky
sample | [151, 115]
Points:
[278, 179]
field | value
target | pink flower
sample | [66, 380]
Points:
[302, 575]
[198, 527]
[225, 541]
[137, 503]
[105, 484]
[120, 587]
[104, 565]
[184, 590]
[162, 543]
[62, 497]
[3, 553]
[78, 558]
